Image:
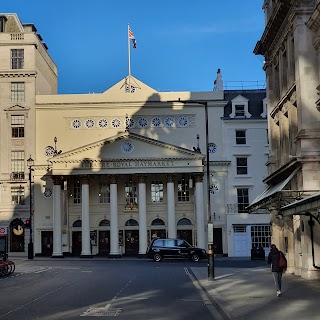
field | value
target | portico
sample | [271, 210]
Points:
[174, 172]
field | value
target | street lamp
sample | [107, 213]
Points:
[210, 223]
[30, 163]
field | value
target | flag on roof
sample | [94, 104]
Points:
[132, 37]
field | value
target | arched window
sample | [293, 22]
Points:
[131, 223]
[184, 222]
[77, 223]
[157, 222]
[104, 223]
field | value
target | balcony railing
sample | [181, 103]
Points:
[17, 176]
[17, 36]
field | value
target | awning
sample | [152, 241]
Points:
[267, 194]
[311, 203]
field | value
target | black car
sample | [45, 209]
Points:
[174, 248]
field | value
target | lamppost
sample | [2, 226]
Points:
[30, 163]
[210, 222]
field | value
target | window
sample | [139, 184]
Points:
[243, 199]
[17, 91]
[17, 195]
[240, 107]
[104, 193]
[17, 126]
[239, 111]
[131, 194]
[17, 162]
[241, 137]
[242, 166]
[17, 58]
[261, 236]
[76, 192]
[156, 191]
[183, 190]
[2, 23]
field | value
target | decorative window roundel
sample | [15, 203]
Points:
[49, 151]
[89, 123]
[143, 122]
[76, 123]
[102, 123]
[156, 122]
[116, 123]
[47, 193]
[127, 146]
[169, 122]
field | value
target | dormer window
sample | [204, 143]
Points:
[3, 20]
[240, 108]
[264, 108]
[239, 111]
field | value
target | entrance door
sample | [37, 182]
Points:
[240, 245]
[185, 235]
[132, 242]
[46, 243]
[104, 243]
[76, 243]
[217, 240]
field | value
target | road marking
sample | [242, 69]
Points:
[105, 311]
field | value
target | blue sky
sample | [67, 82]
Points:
[180, 43]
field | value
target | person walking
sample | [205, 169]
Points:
[276, 268]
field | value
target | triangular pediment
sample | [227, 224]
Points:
[127, 150]
[17, 107]
[129, 88]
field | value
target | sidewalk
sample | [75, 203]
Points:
[249, 294]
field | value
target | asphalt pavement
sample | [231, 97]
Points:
[241, 289]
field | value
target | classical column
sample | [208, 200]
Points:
[172, 231]
[200, 214]
[114, 228]
[57, 234]
[86, 250]
[143, 238]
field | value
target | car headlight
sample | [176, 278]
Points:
[204, 252]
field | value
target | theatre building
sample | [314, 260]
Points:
[113, 170]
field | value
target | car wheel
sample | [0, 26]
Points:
[195, 257]
[157, 257]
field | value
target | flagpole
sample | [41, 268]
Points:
[129, 66]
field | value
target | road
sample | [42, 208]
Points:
[82, 289]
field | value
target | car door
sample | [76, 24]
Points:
[182, 248]
[169, 249]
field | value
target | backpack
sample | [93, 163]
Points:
[282, 262]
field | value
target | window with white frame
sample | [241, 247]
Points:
[17, 196]
[104, 192]
[17, 162]
[76, 192]
[131, 193]
[156, 191]
[183, 191]
[243, 199]
[17, 58]
[17, 91]
[241, 137]
[242, 165]
[240, 107]
[17, 126]
[261, 236]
